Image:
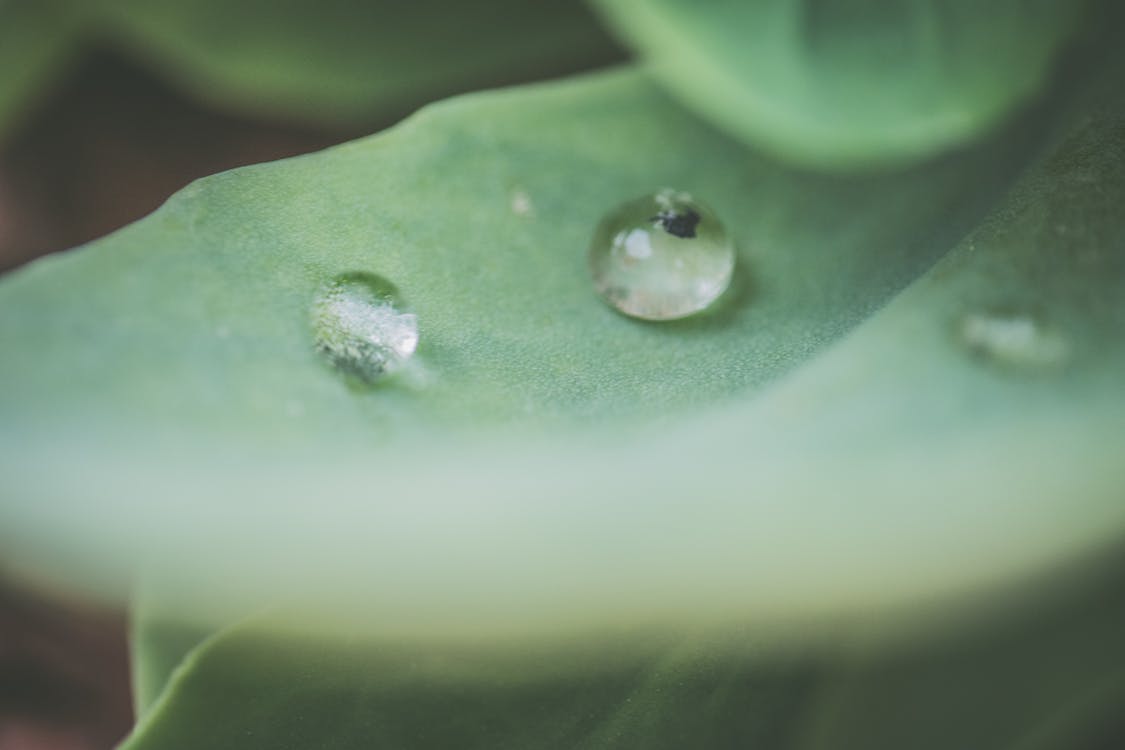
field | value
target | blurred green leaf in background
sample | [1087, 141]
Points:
[850, 85]
[335, 61]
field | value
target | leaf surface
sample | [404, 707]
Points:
[548, 465]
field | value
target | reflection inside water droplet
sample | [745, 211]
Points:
[661, 257]
[1013, 339]
[362, 328]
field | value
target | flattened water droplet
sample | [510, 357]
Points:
[1011, 338]
[661, 257]
[362, 328]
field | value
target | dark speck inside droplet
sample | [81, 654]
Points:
[677, 223]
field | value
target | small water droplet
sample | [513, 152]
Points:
[661, 257]
[521, 203]
[362, 328]
[1013, 339]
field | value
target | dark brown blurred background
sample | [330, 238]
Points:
[64, 677]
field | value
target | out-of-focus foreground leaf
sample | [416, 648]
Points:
[818, 454]
[247, 687]
[1049, 679]
[850, 84]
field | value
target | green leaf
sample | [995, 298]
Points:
[249, 687]
[1045, 677]
[37, 39]
[332, 62]
[158, 644]
[550, 466]
[341, 61]
[1047, 683]
[850, 84]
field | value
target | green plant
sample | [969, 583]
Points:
[871, 500]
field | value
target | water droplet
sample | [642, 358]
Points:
[521, 203]
[1013, 339]
[361, 327]
[661, 257]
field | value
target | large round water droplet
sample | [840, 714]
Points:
[362, 328]
[661, 257]
[1011, 338]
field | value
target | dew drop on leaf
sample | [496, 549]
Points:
[362, 328]
[521, 203]
[1010, 338]
[661, 257]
